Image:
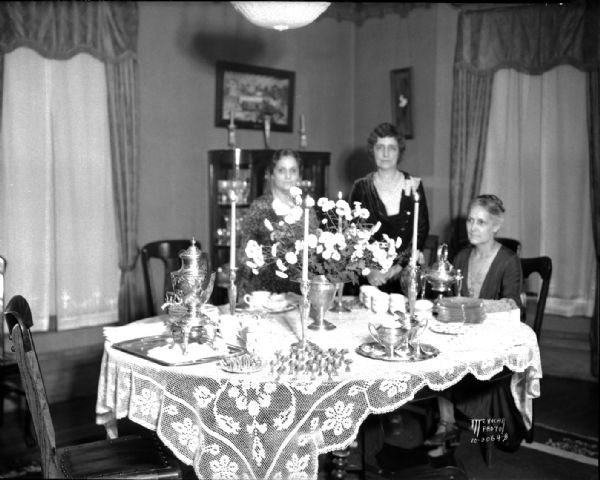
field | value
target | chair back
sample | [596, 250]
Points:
[543, 267]
[167, 251]
[19, 321]
[511, 243]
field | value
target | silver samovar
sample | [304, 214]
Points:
[442, 276]
[192, 287]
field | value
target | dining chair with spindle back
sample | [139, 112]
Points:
[131, 456]
[167, 252]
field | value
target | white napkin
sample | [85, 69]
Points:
[147, 327]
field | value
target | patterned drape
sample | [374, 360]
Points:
[593, 115]
[107, 31]
[531, 39]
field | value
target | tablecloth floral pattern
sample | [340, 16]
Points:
[260, 425]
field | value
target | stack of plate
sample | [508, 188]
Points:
[461, 309]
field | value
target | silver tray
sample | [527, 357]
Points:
[377, 351]
[140, 347]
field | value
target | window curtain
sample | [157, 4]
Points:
[55, 185]
[529, 39]
[108, 32]
[537, 162]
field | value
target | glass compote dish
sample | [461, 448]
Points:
[192, 287]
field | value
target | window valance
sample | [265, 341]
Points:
[530, 39]
[60, 30]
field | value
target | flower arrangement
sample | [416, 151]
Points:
[342, 248]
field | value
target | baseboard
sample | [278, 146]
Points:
[68, 373]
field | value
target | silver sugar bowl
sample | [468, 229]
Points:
[442, 276]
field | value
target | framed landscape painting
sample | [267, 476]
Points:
[402, 100]
[247, 94]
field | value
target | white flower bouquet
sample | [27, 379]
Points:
[342, 248]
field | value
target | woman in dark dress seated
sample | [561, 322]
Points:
[490, 271]
[388, 194]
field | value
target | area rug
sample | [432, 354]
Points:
[20, 469]
[565, 444]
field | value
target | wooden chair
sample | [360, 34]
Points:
[10, 383]
[167, 251]
[133, 456]
[543, 267]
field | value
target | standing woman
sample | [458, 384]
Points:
[388, 194]
[285, 169]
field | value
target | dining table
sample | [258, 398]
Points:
[274, 420]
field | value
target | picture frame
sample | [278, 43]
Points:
[246, 94]
[402, 100]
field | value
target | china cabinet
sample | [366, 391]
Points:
[249, 169]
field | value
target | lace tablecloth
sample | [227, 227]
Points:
[254, 426]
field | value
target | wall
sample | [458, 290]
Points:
[179, 43]
[424, 41]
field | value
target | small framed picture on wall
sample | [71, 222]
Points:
[402, 100]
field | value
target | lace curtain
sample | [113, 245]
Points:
[56, 184]
[537, 161]
[529, 39]
[108, 32]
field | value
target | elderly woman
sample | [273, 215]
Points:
[284, 170]
[490, 271]
[388, 194]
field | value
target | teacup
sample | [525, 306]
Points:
[257, 299]
[380, 302]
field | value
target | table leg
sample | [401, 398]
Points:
[112, 430]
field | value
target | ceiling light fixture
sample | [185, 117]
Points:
[281, 15]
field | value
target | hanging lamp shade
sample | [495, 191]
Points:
[281, 15]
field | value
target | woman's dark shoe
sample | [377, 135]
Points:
[447, 433]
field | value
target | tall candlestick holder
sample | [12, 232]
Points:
[303, 140]
[304, 311]
[232, 290]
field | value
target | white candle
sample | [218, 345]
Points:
[232, 233]
[413, 258]
[302, 123]
[339, 216]
[305, 242]
[231, 123]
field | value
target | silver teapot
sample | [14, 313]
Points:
[442, 276]
[192, 287]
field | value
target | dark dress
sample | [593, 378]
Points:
[253, 228]
[484, 400]
[398, 225]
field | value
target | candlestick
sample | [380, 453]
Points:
[232, 290]
[267, 131]
[303, 138]
[231, 131]
[232, 235]
[340, 220]
[413, 258]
